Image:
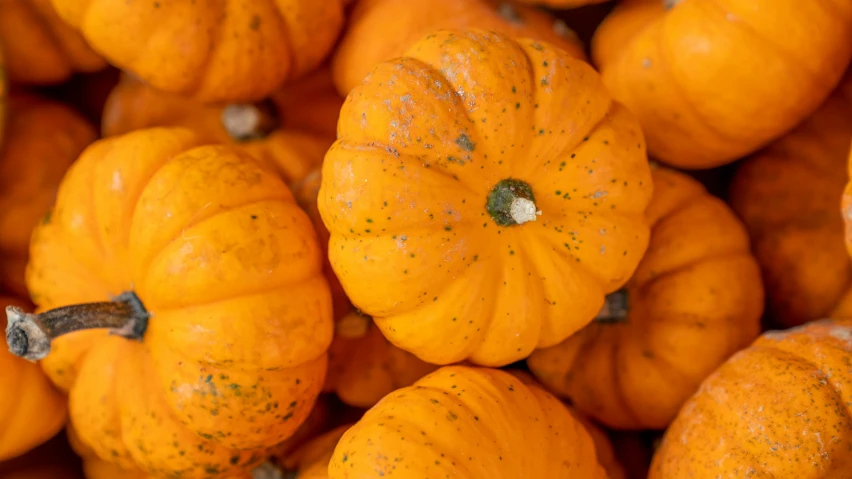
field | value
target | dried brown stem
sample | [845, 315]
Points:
[253, 121]
[29, 335]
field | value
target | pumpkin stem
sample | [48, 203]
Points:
[615, 308]
[29, 335]
[353, 326]
[669, 4]
[511, 202]
[254, 121]
[509, 12]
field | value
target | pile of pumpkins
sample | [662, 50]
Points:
[421, 239]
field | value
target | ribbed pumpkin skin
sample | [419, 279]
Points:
[421, 146]
[695, 299]
[381, 30]
[31, 409]
[40, 49]
[788, 196]
[469, 423]
[235, 50]
[43, 138]
[711, 82]
[365, 367]
[780, 408]
[293, 149]
[219, 253]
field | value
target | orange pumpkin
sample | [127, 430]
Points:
[468, 423]
[43, 138]
[777, 409]
[695, 299]
[311, 460]
[711, 82]
[39, 47]
[483, 196]
[788, 196]
[381, 30]
[212, 285]
[364, 367]
[233, 51]
[267, 131]
[31, 410]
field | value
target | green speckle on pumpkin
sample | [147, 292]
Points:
[465, 143]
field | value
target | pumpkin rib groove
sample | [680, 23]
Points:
[681, 268]
[620, 395]
[772, 46]
[198, 220]
[376, 146]
[215, 42]
[680, 92]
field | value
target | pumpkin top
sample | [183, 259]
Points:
[483, 188]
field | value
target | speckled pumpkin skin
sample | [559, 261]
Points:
[293, 150]
[43, 138]
[468, 423]
[31, 409]
[235, 50]
[40, 48]
[711, 82]
[695, 299]
[788, 196]
[422, 143]
[228, 265]
[780, 408]
[381, 30]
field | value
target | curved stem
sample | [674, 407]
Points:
[615, 308]
[268, 470]
[511, 202]
[253, 121]
[29, 335]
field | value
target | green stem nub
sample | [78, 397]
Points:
[511, 202]
[29, 335]
[615, 308]
[251, 121]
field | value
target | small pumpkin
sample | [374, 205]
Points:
[469, 423]
[39, 47]
[236, 51]
[695, 299]
[483, 196]
[381, 30]
[208, 274]
[272, 131]
[364, 367]
[43, 138]
[31, 409]
[788, 195]
[777, 409]
[711, 82]
[311, 460]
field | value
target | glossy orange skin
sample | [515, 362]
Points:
[711, 82]
[39, 47]
[780, 408]
[293, 150]
[43, 138]
[468, 423]
[404, 190]
[695, 299]
[788, 196]
[381, 30]
[31, 409]
[216, 248]
[233, 50]
[364, 367]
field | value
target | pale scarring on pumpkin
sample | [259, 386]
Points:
[523, 210]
